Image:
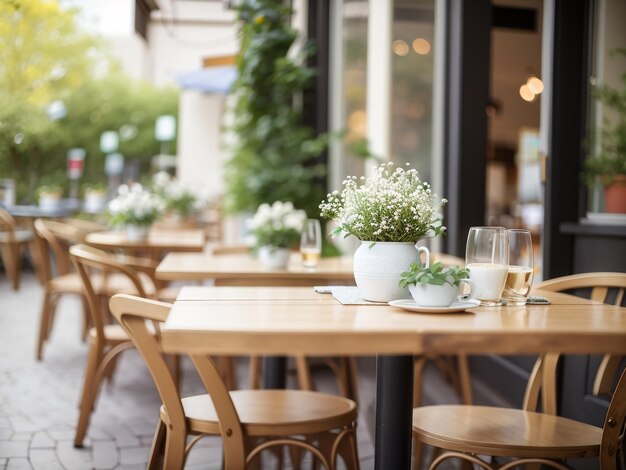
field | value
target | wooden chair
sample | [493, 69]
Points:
[525, 435]
[13, 240]
[56, 238]
[249, 421]
[602, 286]
[106, 341]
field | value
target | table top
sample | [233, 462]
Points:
[195, 266]
[158, 239]
[33, 211]
[284, 321]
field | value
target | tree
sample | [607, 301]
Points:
[274, 153]
[44, 55]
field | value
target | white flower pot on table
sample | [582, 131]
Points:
[137, 233]
[273, 257]
[378, 266]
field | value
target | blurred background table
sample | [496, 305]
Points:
[157, 242]
[244, 269]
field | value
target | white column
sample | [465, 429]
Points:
[200, 159]
[379, 35]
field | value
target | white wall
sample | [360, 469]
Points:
[200, 158]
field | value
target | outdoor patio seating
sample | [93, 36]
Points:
[249, 421]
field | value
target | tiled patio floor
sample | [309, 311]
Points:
[39, 400]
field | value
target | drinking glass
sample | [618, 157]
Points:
[487, 258]
[311, 243]
[519, 279]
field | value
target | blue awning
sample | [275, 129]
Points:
[209, 80]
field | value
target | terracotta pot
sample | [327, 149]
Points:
[615, 196]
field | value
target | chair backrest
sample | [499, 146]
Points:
[89, 261]
[55, 236]
[603, 285]
[7, 223]
[133, 313]
[613, 441]
[599, 283]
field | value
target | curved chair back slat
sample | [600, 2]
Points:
[7, 224]
[614, 429]
[601, 285]
[133, 313]
[89, 261]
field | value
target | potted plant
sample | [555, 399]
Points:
[275, 229]
[95, 196]
[435, 286]
[50, 196]
[135, 209]
[181, 201]
[389, 212]
[608, 166]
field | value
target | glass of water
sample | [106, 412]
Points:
[519, 279]
[311, 243]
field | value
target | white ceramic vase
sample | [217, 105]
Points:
[273, 257]
[377, 269]
[136, 233]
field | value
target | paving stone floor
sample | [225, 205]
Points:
[39, 400]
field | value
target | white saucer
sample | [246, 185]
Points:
[411, 306]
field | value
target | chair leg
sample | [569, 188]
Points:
[45, 322]
[17, 258]
[465, 380]
[349, 452]
[305, 382]
[157, 450]
[8, 259]
[254, 373]
[89, 392]
[86, 317]
[174, 450]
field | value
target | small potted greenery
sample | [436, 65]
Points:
[182, 201]
[276, 229]
[135, 209]
[435, 286]
[49, 196]
[95, 196]
[608, 166]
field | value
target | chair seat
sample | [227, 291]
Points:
[505, 432]
[272, 412]
[20, 236]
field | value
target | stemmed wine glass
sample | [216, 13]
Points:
[487, 258]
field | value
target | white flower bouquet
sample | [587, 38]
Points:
[278, 225]
[391, 206]
[135, 205]
[179, 198]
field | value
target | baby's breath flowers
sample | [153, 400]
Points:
[391, 206]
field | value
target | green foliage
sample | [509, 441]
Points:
[45, 58]
[274, 154]
[434, 275]
[611, 159]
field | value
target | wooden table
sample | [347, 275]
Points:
[158, 241]
[244, 269]
[285, 321]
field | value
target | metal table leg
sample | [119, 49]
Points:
[394, 410]
[275, 372]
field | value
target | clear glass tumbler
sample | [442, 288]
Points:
[311, 243]
[487, 258]
[519, 279]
